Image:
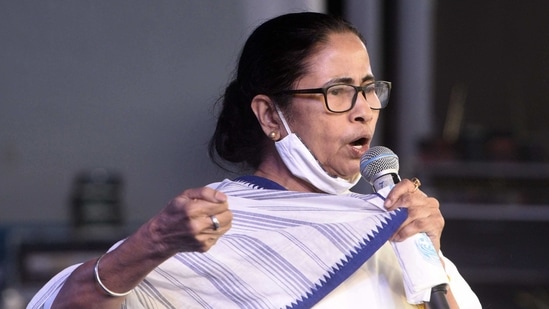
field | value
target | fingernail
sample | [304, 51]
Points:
[220, 196]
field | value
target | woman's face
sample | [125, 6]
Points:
[337, 140]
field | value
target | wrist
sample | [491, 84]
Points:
[99, 282]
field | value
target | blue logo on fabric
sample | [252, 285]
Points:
[426, 248]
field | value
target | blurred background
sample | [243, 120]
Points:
[106, 108]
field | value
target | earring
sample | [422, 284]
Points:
[273, 135]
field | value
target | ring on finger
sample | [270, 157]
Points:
[416, 182]
[215, 222]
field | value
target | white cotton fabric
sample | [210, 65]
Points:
[285, 250]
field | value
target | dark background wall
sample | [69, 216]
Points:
[492, 60]
[490, 122]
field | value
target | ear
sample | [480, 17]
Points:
[265, 112]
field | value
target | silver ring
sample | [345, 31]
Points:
[215, 222]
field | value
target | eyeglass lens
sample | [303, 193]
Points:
[343, 97]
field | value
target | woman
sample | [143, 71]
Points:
[301, 112]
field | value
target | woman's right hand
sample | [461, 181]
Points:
[185, 224]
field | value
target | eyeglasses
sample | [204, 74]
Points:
[340, 98]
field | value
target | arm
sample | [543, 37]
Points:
[184, 225]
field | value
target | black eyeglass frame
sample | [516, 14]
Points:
[363, 89]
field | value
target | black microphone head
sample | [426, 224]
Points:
[378, 161]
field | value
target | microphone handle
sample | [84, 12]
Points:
[438, 298]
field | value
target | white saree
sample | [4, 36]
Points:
[284, 250]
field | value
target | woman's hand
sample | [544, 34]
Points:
[186, 223]
[423, 212]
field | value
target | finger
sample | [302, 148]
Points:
[402, 188]
[205, 244]
[207, 194]
[215, 222]
[219, 222]
[201, 202]
[416, 183]
[409, 228]
[432, 226]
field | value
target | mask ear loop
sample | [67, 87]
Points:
[286, 126]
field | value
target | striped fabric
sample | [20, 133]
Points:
[284, 250]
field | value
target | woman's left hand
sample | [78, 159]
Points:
[423, 212]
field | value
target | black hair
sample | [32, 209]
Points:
[272, 60]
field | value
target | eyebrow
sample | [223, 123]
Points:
[368, 78]
[348, 80]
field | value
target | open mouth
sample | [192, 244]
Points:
[359, 143]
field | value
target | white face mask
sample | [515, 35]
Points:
[302, 164]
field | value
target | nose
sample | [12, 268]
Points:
[362, 111]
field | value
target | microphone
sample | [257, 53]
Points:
[379, 167]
